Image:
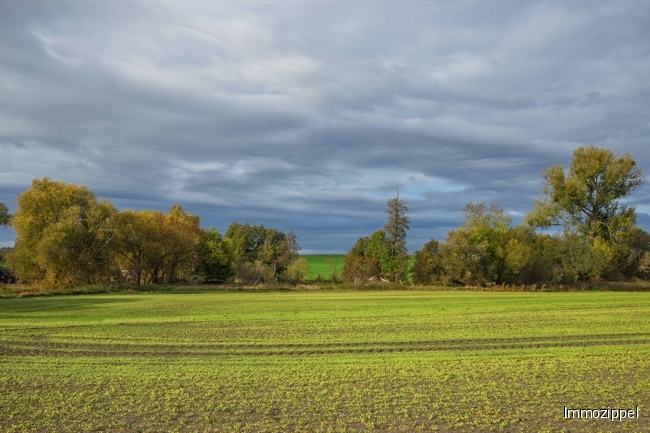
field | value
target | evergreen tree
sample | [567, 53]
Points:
[395, 228]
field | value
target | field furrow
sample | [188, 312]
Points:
[41, 348]
[319, 362]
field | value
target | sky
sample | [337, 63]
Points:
[306, 116]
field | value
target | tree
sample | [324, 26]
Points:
[521, 257]
[369, 259]
[214, 262]
[275, 250]
[476, 253]
[577, 258]
[63, 235]
[383, 255]
[378, 258]
[640, 253]
[135, 242]
[288, 249]
[489, 226]
[464, 260]
[587, 198]
[355, 266]
[264, 247]
[398, 223]
[296, 271]
[427, 266]
[5, 218]
[157, 248]
[239, 243]
[183, 236]
[254, 272]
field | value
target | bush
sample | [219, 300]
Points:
[296, 271]
[254, 273]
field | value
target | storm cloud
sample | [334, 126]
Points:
[306, 115]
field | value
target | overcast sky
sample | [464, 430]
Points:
[306, 115]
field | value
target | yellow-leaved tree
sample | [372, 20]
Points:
[63, 235]
[153, 247]
[588, 200]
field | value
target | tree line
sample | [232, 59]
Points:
[599, 238]
[66, 237]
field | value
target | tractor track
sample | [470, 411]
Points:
[31, 347]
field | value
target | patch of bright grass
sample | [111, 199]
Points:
[323, 264]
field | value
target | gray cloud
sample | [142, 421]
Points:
[304, 116]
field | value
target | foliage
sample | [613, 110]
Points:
[369, 259]
[66, 237]
[531, 258]
[644, 264]
[475, 253]
[154, 248]
[488, 226]
[600, 241]
[288, 249]
[639, 248]
[63, 235]
[5, 217]
[355, 266]
[297, 270]
[214, 260]
[427, 266]
[464, 260]
[587, 199]
[383, 255]
[379, 255]
[395, 265]
[254, 273]
[577, 258]
[248, 244]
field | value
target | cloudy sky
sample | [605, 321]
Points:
[306, 115]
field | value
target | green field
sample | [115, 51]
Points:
[320, 264]
[323, 361]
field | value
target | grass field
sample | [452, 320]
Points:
[325, 361]
[321, 264]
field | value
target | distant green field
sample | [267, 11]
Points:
[320, 264]
[323, 361]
